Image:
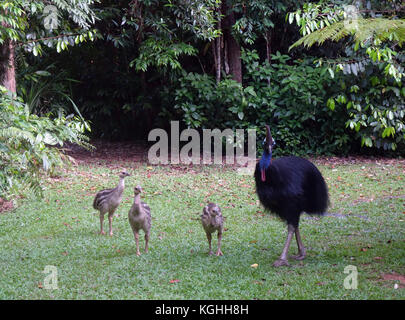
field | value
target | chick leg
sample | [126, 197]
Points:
[301, 249]
[209, 237]
[219, 252]
[282, 261]
[110, 216]
[101, 223]
[136, 234]
[146, 242]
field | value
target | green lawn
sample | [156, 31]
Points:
[365, 229]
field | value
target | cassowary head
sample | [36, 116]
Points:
[268, 142]
[268, 145]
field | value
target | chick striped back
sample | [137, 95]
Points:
[146, 208]
[101, 197]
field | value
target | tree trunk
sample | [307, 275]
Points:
[268, 50]
[232, 46]
[216, 51]
[7, 66]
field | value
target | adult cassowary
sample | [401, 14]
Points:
[289, 186]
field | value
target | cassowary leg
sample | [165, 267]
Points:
[219, 252]
[101, 224]
[301, 249]
[209, 238]
[110, 216]
[282, 261]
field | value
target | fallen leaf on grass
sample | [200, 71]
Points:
[174, 281]
[255, 265]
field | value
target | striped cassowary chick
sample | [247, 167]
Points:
[212, 220]
[140, 218]
[108, 200]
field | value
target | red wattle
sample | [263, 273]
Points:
[263, 175]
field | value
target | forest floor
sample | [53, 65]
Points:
[362, 233]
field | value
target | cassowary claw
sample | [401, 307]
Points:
[280, 263]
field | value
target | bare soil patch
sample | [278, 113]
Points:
[137, 151]
[106, 151]
[394, 277]
[5, 205]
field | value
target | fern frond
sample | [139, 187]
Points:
[363, 30]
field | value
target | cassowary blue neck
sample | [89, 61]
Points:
[264, 164]
[265, 160]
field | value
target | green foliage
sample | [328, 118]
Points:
[47, 91]
[256, 18]
[320, 23]
[56, 24]
[292, 98]
[161, 54]
[315, 16]
[203, 103]
[362, 30]
[27, 145]
[371, 86]
[375, 107]
[197, 17]
[13, 22]
[160, 27]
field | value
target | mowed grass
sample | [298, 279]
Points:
[364, 228]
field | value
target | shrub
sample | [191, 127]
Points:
[291, 97]
[27, 145]
[374, 103]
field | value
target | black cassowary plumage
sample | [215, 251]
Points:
[293, 185]
[289, 186]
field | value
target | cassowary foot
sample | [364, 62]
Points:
[210, 253]
[280, 263]
[102, 233]
[138, 253]
[298, 256]
[219, 252]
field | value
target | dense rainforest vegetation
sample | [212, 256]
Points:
[327, 76]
